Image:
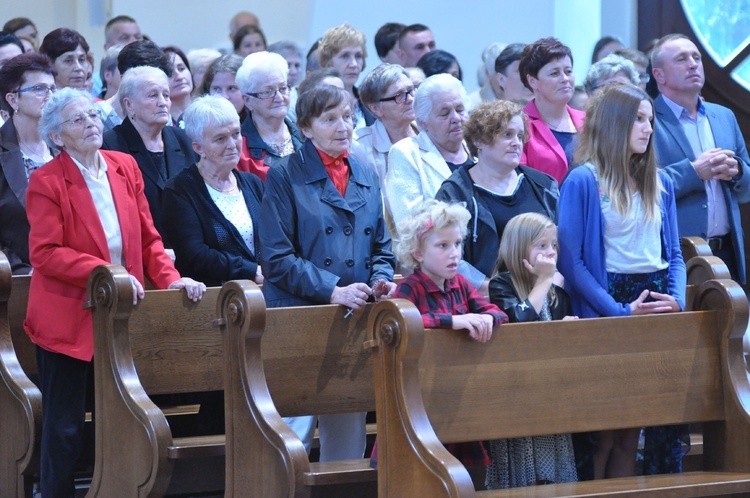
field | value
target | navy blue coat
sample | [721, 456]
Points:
[313, 238]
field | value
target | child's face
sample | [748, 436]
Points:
[439, 253]
[545, 246]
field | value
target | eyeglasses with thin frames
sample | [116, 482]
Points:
[400, 98]
[38, 90]
[80, 119]
[269, 94]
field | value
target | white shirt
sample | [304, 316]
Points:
[234, 209]
[101, 193]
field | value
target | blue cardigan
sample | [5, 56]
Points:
[581, 257]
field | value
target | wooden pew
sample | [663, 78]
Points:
[694, 246]
[288, 362]
[20, 399]
[563, 377]
[166, 344]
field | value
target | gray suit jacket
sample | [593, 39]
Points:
[675, 155]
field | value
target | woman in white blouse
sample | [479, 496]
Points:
[211, 210]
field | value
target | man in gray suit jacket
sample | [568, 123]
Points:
[702, 149]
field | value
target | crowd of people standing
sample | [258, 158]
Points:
[523, 201]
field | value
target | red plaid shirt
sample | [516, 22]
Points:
[439, 305]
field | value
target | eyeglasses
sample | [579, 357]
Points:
[400, 98]
[38, 90]
[645, 78]
[80, 119]
[269, 94]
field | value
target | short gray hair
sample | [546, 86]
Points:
[109, 62]
[607, 68]
[208, 112]
[378, 80]
[133, 79]
[489, 55]
[285, 47]
[423, 99]
[256, 66]
[51, 121]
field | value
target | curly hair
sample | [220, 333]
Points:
[488, 120]
[336, 39]
[426, 218]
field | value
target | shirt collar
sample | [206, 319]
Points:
[330, 161]
[430, 286]
[680, 111]
[86, 172]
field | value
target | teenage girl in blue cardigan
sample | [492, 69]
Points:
[619, 248]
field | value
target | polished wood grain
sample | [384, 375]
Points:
[20, 399]
[165, 344]
[288, 362]
[438, 386]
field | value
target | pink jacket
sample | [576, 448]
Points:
[542, 151]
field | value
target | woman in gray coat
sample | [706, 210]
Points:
[326, 240]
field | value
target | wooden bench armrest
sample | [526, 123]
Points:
[725, 443]
[694, 246]
[403, 416]
[258, 439]
[127, 421]
[20, 399]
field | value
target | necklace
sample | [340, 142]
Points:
[220, 190]
[282, 148]
[210, 183]
[565, 122]
[31, 152]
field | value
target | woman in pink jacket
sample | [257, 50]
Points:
[546, 69]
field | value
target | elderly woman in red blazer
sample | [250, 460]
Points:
[546, 68]
[86, 208]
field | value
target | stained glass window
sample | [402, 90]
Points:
[723, 27]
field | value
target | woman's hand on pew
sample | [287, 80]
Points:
[138, 292]
[478, 325]
[662, 303]
[353, 295]
[195, 290]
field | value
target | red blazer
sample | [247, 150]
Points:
[543, 151]
[67, 242]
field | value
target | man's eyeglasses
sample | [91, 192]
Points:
[38, 90]
[400, 98]
[80, 119]
[269, 94]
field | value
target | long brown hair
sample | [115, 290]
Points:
[605, 142]
[520, 232]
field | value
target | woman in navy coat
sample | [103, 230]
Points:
[325, 239]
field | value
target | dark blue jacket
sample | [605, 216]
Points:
[314, 239]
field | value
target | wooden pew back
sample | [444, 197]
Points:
[165, 344]
[20, 399]
[289, 362]
[553, 378]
